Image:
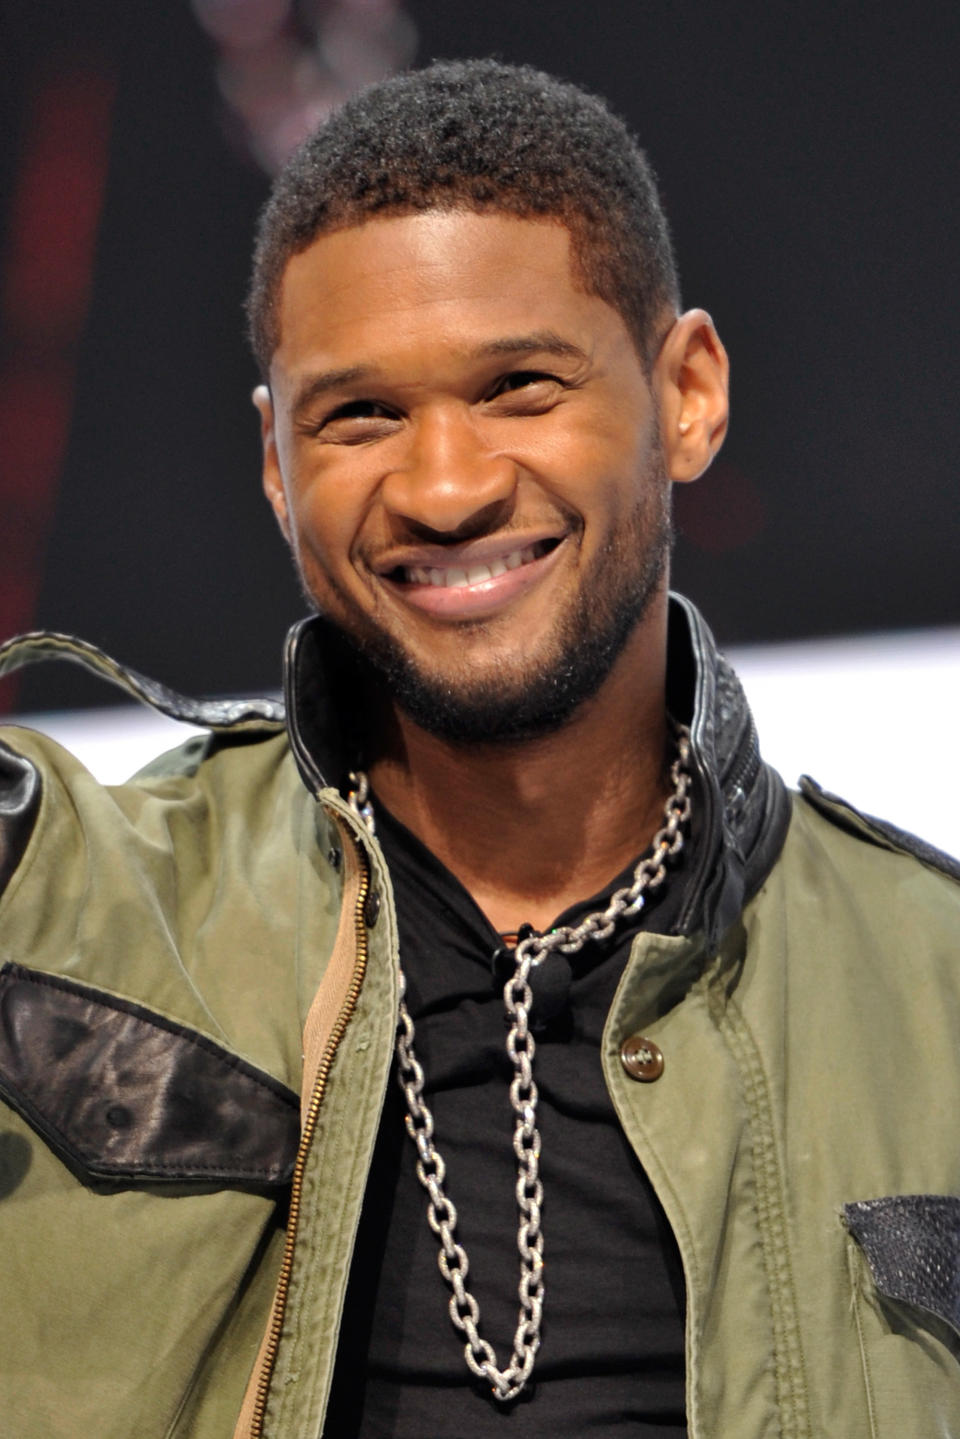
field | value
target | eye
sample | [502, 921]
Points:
[522, 379]
[526, 392]
[353, 422]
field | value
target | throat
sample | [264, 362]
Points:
[532, 827]
[526, 857]
[511, 907]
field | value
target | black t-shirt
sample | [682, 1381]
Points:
[611, 1359]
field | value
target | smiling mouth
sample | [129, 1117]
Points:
[462, 576]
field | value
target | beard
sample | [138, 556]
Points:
[536, 695]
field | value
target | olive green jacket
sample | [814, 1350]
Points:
[162, 944]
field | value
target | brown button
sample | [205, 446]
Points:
[641, 1058]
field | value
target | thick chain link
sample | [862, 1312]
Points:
[518, 1000]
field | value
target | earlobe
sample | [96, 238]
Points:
[272, 478]
[692, 373]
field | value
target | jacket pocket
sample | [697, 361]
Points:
[904, 1255]
[912, 1245]
[127, 1096]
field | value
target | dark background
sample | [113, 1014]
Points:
[809, 157]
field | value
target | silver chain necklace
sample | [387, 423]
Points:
[518, 999]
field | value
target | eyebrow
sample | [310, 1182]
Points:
[315, 386]
[538, 342]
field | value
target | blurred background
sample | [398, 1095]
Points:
[809, 159]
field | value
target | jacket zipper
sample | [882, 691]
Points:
[748, 765]
[306, 1139]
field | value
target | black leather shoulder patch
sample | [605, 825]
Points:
[123, 1094]
[19, 804]
[912, 1244]
[878, 831]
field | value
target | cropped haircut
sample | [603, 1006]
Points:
[487, 137]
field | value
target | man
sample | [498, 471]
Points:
[681, 1049]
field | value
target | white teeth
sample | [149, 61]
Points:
[459, 577]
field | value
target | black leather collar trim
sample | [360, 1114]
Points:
[322, 691]
[742, 806]
[126, 1095]
[744, 803]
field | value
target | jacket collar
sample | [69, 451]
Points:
[741, 804]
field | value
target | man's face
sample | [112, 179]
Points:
[463, 449]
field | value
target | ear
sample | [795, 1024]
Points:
[272, 478]
[692, 376]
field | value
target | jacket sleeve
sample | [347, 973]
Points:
[19, 804]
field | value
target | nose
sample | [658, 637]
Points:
[449, 482]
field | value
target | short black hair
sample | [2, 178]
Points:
[483, 136]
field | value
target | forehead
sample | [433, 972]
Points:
[434, 279]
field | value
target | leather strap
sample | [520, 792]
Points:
[40, 645]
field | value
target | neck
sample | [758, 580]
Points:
[532, 827]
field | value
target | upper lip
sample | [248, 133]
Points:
[461, 556]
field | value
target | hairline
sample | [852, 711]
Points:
[646, 348]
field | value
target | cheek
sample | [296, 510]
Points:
[599, 450]
[325, 536]
[320, 500]
[327, 514]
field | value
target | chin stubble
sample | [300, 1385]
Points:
[544, 693]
